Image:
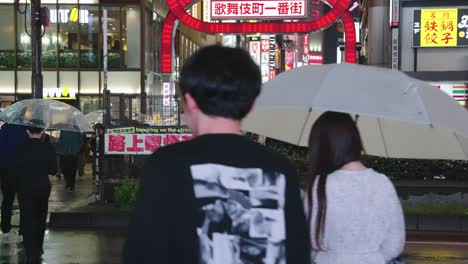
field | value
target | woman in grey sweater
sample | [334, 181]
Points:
[354, 212]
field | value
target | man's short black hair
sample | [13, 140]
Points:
[223, 81]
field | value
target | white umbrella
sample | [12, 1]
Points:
[48, 114]
[399, 116]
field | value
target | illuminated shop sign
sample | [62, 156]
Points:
[440, 27]
[64, 16]
[64, 93]
[267, 9]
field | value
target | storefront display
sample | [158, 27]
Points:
[71, 45]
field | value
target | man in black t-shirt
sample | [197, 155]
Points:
[219, 198]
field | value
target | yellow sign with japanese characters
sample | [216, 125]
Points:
[439, 27]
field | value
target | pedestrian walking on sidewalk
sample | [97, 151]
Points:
[354, 212]
[11, 136]
[220, 197]
[83, 155]
[33, 162]
[69, 147]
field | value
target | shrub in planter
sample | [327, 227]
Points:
[396, 169]
[69, 59]
[125, 193]
[49, 59]
[88, 60]
[436, 209]
[297, 155]
[7, 59]
[24, 59]
[113, 59]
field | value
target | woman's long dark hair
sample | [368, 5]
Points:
[334, 141]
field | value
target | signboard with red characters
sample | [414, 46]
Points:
[258, 9]
[144, 141]
[440, 28]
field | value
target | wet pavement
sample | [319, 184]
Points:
[63, 200]
[429, 252]
[97, 246]
[91, 246]
[68, 247]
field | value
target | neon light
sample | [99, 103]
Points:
[258, 9]
[261, 27]
[339, 8]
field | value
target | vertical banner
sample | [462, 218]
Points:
[254, 49]
[305, 49]
[394, 13]
[289, 60]
[395, 51]
[265, 60]
[272, 57]
[166, 93]
[206, 10]
[417, 28]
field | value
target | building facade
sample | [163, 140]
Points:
[72, 53]
[434, 44]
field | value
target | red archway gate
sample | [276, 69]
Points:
[177, 12]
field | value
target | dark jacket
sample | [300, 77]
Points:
[10, 137]
[32, 164]
[69, 143]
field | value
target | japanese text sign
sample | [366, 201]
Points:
[140, 144]
[258, 9]
[440, 27]
[142, 140]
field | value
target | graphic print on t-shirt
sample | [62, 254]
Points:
[241, 215]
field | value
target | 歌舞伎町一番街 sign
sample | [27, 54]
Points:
[258, 9]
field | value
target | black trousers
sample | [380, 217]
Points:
[33, 212]
[8, 192]
[68, 166]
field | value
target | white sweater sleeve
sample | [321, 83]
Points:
[394, 241]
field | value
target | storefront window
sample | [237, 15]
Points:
[7, 82]
[89, 36]
[7, 31]
[23, 39]
[114, 46]
[49, 81]
[131, 36]
[89, 82]
[67, 18]
[50, 40]
[89, 104]
[24, 82]
[68, 83]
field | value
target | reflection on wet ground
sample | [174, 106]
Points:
[91, 246]
[426, 252]
[68, 247]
